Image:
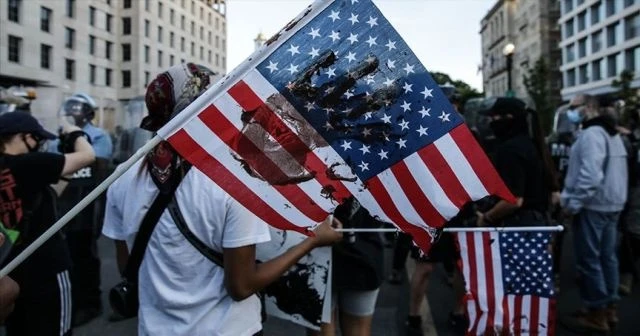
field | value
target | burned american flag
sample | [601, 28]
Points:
[336, 105]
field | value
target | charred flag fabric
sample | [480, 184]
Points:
[336, 105]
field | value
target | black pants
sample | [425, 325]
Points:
[629, 253]
[401, 251]
[85, 273]
[43, 307]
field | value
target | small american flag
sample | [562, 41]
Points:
[333, 106]
[509, 282]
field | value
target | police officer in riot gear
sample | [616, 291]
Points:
[83, 231]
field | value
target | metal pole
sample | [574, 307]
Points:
[472, 229]
[509, 68]
[80, 206]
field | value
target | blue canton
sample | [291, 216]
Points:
[526, 263]
[352, 77]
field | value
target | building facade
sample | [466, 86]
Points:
[531, 26]
[109, 49]
[600, 39]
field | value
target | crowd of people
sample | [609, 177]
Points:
[192, 270]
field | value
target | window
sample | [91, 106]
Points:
[147, 5]
[582, 21]
[147, 25]
[45, 56]
[209, 56]
[108, 49]
[583, 74]
[611, 7]
[202, 53]
[217, 23]
[612, 68]
[596, 73]
[92, 74]
[71, 8]
[108, 22]
[611, 34]
[172, 16]
[126, 78]
[595, 13]
[69, 38]
[147, 78]
[107, 77]
[126, 52]
[582, 47]
[217, 41]
[571, 77]
[92, 16]
[160, 10]
[217, 59]
[182, 3]
[570, 53]
[596, 42]
[147, 54]
[209, 19]
[193, 7]
[628, 3]
[45, 19]
[182, 22]
[171, 60]
[92, 44]
[14, 10]
[171, 39]
[193, 49]
[201, 13]
[159, 58]
[126, 26]
[15, 46]
[224, 62]
[126, 4]
[193, 28]
[182, 44]
[201, 33]
[568, 28]
[629, 57]
[69, 69]
[160, 34]
[632, 26]
[209, 37]
[224, 45]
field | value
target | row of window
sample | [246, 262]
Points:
[160, 34]
[606, 67]
[604, 7]
[609, 36]
[583, 20]
[218, 5]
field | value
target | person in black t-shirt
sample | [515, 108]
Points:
[30, 181]
[523, 162]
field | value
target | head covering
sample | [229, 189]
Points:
[22, 122]
[173, 90]
[504, 106]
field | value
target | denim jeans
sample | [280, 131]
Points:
[595, 238]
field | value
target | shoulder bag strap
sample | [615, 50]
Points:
[209, 253]
[147, 225]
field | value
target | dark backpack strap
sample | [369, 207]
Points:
[147, 225]
[209, 253]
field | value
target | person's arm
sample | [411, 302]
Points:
[243, 277]
[511, 169]
[9, 291]
[82, 156]
[122, 254]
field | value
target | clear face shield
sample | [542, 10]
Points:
[73, 112]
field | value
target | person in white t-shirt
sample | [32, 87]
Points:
[181, 292]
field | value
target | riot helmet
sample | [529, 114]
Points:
[81, 107]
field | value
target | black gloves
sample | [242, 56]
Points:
[68, 141]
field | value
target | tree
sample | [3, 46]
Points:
[626, 93]
[465, 91]
[536, 81]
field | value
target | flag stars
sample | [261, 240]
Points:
[272, 66]
[310, 106]
[427, 92]
[353, 38]
[372, 41]
[351, 57]
[346, 145]
[292, 68]
[388, 82]
[372, 21]
[401, 143]
[293, 49]
[334, 16]
[391, 64]
[348, 95]
[407, 87]
[383, 154]
[366, 132]
[404, 125]
[368, 115]
[334, 36]
[444, 116]
[386, 119]
[408, 69]
[369, 79]
[365, 149]
[314, 33]
[331, 72]
[314, 52]
[353, 19]
[327, 126]
[406, 106]
[391, 45]
[422, 130]
[363, 166]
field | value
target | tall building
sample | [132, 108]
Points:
[600, 39]
[109, 49]
[528, 30]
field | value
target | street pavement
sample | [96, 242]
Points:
[392, 305]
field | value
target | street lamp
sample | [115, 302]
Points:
[508, 53]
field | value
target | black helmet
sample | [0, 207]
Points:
[80, 105]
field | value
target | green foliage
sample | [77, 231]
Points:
[627, 94]
[465, 91]
[537, 83]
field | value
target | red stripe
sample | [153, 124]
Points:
[236, 140]
[534, 315]
[211, 167]
[480, 163]
[445, 176]
[551, 319]
[517, 315]
[488, 271]
[506, 319]
[473, 281]
[416, 196]
[249, 101]
[420, 236]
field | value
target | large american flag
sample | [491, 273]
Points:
[509, 282]
[336, 105]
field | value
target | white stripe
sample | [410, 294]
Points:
[69, 306]
[198, 130]
[399, 198]
[497, 278]
[62, 302]
[466, 271]
[430, 186]
[482, 282]
[525, 322]
[461, 167]
[229, 107]
[543, 314]
[511, 305]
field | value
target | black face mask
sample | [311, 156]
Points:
[501, 128]
[34, 149]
